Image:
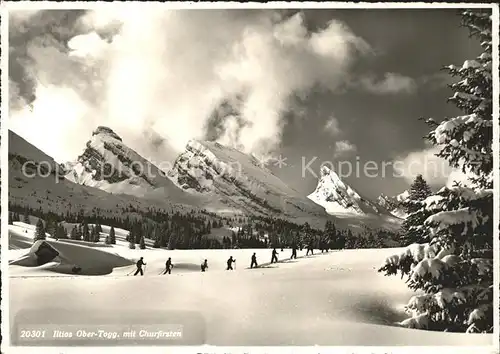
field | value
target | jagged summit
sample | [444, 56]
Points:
[394, 204]
[339, 198]
[324, 170]
[109, 164]
[237, 179]
[106, 131]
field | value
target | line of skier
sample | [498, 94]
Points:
[231, 260]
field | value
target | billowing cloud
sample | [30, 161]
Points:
[332, 126]
[435, 170]
[62, 107]
[87, 45]
[37, 51]
[165, 72]
[391, 83]
[344, 147]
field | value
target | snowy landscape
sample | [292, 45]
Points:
[334, 298]
[128, 215]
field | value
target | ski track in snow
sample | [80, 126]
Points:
[336, 298]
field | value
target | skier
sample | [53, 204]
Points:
[204, 266]
[230, 263]
[168, 266]
[310, 248]
[139, 265]
[274, 256]
[294, 251]
[254, 261]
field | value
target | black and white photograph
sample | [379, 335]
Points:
[222, 175]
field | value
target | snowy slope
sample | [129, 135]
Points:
[347, 303]
[109, 164]
[226, 174]
[393, 204]
[339, 198]
[30, 159]
[58, 194]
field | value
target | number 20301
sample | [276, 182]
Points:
[32, 334]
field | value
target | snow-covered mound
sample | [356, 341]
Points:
[339, 198]
[225, 173]
[63, 258]
[393, 204]
[109, 164]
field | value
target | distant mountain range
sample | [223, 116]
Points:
[206, 175]
[394, 204]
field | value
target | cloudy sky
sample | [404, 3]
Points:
[314, 86]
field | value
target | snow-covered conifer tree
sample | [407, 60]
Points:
[26, 217]
[40, 230]
[96, 236]
[454, 270]
[74, 233]
[419, 191]
[112, 237]
[86, 232]
[79, 232]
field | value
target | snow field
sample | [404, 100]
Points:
[335, 299]
[331, 299]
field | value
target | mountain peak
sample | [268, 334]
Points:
[325, 171]
[337, 197]
[329, 177]
[102, 130]
[394, 203]
[236, 179]
[109, 164]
